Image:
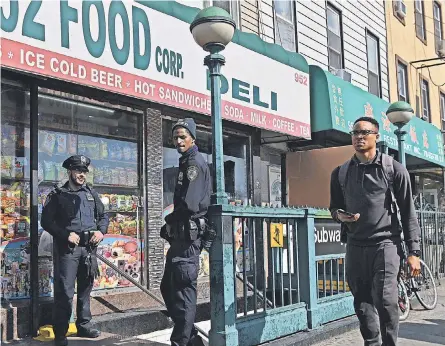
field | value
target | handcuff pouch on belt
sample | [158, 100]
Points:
[90, 262]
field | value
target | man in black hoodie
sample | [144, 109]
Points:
[184, 231]
[368, 206]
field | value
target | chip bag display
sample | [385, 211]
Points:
[48, 142]
[49, 170]
[72, 144]
[61, 143]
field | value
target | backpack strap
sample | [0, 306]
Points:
[388, 172]
[342, 173]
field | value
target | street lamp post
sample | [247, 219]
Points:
[399, 114]
[213, 29]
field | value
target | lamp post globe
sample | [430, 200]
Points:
[213, 29]
[400, 113]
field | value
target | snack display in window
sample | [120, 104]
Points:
[126, 254]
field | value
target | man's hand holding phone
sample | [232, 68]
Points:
[345, 216]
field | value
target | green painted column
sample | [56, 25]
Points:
[214, 62]
[401, 142]
[223, 330]
[307, 265]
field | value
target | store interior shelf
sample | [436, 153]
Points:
[52, 182]
[120, 212]
[93, 159]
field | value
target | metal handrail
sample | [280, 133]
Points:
[138, 285]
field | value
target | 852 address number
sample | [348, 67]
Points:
[301, 79]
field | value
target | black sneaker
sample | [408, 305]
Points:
[88, 333]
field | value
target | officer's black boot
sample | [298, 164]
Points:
[88, 333]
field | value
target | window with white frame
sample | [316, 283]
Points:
[335, 44]
[438, 31]
[442, 109]
[402, 82]
[285, 33]
[231, 7]
[372, 47]
[425, 100]
[419, 19]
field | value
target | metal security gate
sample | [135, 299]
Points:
[432, 227]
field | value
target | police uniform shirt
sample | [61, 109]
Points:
[193, 188]
[73, 211]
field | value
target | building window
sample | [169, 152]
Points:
[402, 82]
[335, 42]
[420, 20]
[230, 6]
[438, 33]
[372, 47]
[442, 110]
[425, 101]
[285, 33]
[399, 10]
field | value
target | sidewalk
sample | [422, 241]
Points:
[423, 328]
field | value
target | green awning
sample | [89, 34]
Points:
[335, 104]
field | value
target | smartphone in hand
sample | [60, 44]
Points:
[345, 213]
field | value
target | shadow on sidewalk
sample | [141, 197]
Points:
[108, 341]
[433, 333]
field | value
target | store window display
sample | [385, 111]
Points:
[429, 192]
[235, 171]
[15, 195]
[109, 137]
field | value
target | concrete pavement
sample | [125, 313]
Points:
[422, 328]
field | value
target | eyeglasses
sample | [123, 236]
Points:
[363, 133]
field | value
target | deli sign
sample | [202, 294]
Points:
[129, 48]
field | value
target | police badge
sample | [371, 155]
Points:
[192, 173]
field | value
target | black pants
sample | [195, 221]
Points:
[372, 277]
[178, 288]
[68, 266]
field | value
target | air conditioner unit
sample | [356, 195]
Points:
[441, 48]
[343, 74]
[400, 8]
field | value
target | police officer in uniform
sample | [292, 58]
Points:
[74, 215]
[187, 232]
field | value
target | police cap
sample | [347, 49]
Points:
[77, 162]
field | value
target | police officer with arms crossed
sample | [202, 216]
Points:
[187, 232]
[371, 196]
[74, 215]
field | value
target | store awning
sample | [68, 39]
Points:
[335, 104]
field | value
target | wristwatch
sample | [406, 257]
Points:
[415, 253]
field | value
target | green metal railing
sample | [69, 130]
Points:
[331, 275]
[267, 277]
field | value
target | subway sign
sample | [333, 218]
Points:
[130, 48]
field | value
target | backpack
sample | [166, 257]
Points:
[388, 174]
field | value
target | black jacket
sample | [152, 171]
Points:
[366, 193]
[193, 187]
